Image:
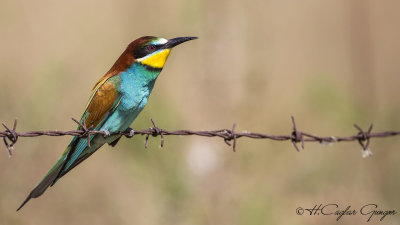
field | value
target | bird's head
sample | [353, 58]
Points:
[149, 51]
[152, 52]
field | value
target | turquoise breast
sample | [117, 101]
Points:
[134, 88]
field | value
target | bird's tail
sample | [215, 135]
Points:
[76, 152]
[47, 180]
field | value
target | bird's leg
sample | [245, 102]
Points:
[131, 132]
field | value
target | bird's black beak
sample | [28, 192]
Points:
[176, 41]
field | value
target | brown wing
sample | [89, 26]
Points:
[102, 101]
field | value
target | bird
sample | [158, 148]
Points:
[116, 100]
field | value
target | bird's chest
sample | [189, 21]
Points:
[134, 94]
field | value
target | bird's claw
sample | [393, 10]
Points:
[106, 133]
[131, 132]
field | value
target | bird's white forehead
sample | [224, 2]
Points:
[159, 41]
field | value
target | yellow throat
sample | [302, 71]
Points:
[156, 60]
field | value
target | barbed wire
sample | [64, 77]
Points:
[230, 136]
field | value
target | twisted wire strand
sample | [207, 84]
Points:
[230, 136]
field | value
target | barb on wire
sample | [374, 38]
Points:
[296, 136]
[228, 135]
[86, 131]
[12, 136]
[364, 140]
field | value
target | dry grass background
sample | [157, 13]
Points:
[329, 63]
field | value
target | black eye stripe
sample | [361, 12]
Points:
[145, 50]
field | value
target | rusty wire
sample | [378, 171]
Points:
[230, 136]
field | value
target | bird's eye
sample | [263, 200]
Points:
[151, 48]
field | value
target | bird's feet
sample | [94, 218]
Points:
[106, 133]
[130, 132]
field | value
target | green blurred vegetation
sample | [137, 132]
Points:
[328, 63]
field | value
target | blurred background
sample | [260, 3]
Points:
[329, 63]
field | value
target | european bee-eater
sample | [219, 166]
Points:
[116, 100]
